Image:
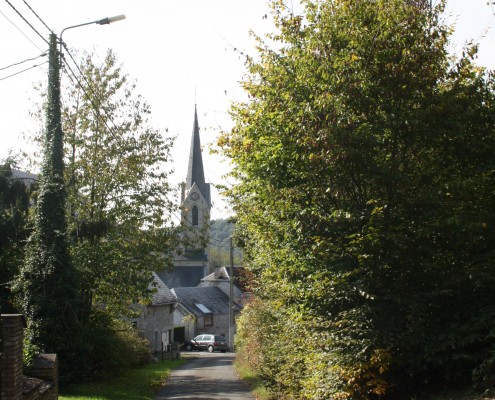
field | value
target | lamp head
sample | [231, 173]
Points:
[106, 21]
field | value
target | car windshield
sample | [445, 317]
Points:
[219, 339]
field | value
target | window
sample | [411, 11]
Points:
[208, 320]
[195, 215]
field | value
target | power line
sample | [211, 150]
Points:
[22, 62]
[24, 70]
[19, 29]
[37, 16]
[27, 22]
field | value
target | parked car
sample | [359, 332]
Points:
[208, 342]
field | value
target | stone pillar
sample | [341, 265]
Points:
[11, 361]
[45, 367]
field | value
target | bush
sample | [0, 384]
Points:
[113, 345]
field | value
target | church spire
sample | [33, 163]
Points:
[195, 172]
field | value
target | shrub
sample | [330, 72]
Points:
[113, 345]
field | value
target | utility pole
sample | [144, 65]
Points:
[231, 298]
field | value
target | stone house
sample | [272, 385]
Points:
[203, 310]
[156, 320]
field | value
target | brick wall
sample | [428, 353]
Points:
[43, 384]
[11, 361]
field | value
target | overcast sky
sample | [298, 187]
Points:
[179, 52]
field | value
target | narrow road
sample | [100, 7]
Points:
[206, 376]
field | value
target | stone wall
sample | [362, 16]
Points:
[156, 324]
[43, 382]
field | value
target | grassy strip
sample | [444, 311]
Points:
[250, 376]
[135, 384]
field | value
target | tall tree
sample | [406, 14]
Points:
[119, 196]
[47, 288]
[364, 198]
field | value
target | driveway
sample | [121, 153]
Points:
[206, 376]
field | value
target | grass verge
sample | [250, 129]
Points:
[250, 376]
[135, 384]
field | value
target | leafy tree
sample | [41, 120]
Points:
[118, 191]
[364, 200]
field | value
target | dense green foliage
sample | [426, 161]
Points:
[14, 211]
[365, 203]
[113, 346]
[47, 287]
[107, 173]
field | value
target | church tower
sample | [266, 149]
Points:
[191, 263]
[196, 200]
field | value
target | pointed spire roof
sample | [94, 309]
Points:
[195, 171]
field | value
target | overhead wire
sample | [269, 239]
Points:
[24, 70]
[27, 22]
[20, 30]
[24, 61]
[196, 230]
[37, 16]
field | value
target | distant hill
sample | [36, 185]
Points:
[220, 232]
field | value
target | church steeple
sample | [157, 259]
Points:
[195, 171]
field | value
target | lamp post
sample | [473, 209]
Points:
[57, 58]
[50, 286]
[53, 156]
[104, 21]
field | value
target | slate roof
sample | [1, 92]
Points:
[195, 171]
[27, 177]
[182, 276]
[211, 297]
[163, 294]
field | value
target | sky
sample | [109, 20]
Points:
[179, 52]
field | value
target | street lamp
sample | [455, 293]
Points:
[53, 163]
[104, 21]
[55, 63]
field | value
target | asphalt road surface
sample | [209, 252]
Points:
[206, 376]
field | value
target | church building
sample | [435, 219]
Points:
[191, 262]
